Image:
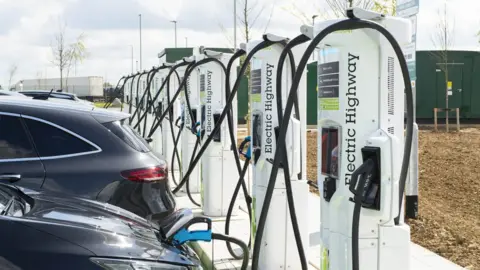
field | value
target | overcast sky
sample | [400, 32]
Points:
[27, 28]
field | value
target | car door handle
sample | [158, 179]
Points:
[10, 177]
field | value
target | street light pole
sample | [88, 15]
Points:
[132, 57]
[313, 24]
[175, 23]
[234, 25]
[186, 42]
[140, 25]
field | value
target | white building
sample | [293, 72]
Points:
[91, 86]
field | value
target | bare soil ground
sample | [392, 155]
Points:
[449, 193]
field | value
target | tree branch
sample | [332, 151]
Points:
[227, 36]
[63, 55]
[11, 73]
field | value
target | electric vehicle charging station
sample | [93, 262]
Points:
[135, 92]
[168, 133]
[360, 130]
[126, 92]
[361, 133]
[219, 172]
[142, 100]
[157, 82]
[189, 135]
[131, 92]
[278, 244]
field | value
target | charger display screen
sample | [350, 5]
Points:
[330, 152]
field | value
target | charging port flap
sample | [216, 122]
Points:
[256, 135]
[202, 122]
[217, 136]
[194, 115]
[371, 194]
[293, 144]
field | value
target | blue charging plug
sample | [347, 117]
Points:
[248, 154]
[184, 235]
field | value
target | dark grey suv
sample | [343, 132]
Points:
[83, 151]
[50, 231]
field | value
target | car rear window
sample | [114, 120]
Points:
[53, 95]
[127, 134]
[14, 142]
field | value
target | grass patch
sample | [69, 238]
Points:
[102, 104]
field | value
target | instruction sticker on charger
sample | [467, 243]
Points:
[202, 88]
[256, 80]
[328, 86]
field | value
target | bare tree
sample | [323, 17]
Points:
[248, 18]
[39, 80]
[250, 11]
[65, 54]
[443, 39]
[107, 85]
[388, 7]
[11, 73]
[302, 15]
[77, 53]
[337, 8]
[60, 52]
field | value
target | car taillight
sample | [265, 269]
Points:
[150, 174]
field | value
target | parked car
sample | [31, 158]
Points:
[43, 230]
[11, 93]
[67, 100]
[83, 151]
[53, 95]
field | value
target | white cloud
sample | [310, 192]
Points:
[26, 36]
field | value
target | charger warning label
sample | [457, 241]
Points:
[256, 80]
[328, 86]
[256, 85]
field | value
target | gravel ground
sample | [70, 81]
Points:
[449, 190]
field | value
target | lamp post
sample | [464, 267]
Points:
[313, 24]
[234, 25]
[175, 24]
[186, 42]
[140, 26]
[131, 56]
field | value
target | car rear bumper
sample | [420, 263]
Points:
[150, 200]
